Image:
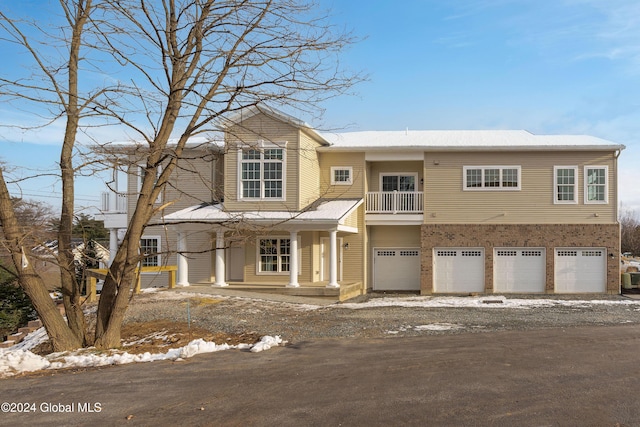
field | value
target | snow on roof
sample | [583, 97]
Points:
[465, 139]
[325, 210]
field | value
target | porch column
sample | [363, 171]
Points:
[220, 270]
[333, 259]
[113, 244]
[293, 261]
[183, 264]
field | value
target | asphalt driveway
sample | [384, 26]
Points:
[584, 376]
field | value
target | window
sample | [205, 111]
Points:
[398, 182]
[150, 246]
[274, 255]
[341, 175]
[491, 177]
[566, 181]
[595, 184]
[262, 173]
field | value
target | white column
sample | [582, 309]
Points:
[220, 270]
[183, 264]
[293, 261]
[333, 260]
[113, 244]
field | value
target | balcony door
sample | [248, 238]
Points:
[398, 192]
[398, 182]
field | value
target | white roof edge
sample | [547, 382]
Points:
[602, 147]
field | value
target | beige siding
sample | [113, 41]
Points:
[376, 169]
[446, 202]
[251, 131]
[309, 171]
[354, 160]
[353, 257]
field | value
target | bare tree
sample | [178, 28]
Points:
[629, 231]
[53, 87]
[188, 64]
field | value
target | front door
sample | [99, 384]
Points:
[324, 248]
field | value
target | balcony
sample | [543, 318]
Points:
[114, 210]
[394, 202]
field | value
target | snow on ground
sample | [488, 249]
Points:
[19, 358]
[496, 302]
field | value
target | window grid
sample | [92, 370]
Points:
[566, 184]
[262, 174]
[149, 246]
[492, 178]
[275, 255]
[596, 184]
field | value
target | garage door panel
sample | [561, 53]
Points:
[458, 270]
[396, 269]
[519, 270]
[580, 270]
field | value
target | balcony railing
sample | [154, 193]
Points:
[114, 202]
[394, 202]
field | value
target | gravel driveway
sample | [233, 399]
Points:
[364, 318]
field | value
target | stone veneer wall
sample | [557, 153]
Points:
[549, 236]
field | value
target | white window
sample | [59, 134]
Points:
[565, 180]
[485, 178]
[341, 175]
[595, 184]
[262, 173]
[150, 247]
[274, 255]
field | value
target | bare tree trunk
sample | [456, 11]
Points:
[61, 336]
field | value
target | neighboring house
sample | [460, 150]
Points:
[280, 206]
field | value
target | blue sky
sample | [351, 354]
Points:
[561, 66]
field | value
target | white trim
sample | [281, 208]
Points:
[277, 273]
[324, 246]
[483, 168]
[260, 146]
[158, 255]
[398, 174]
[341, 168]
[586, 185]
[575, 186]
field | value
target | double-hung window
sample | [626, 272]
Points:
[274, 255]
[150, 248]
[262, 173]
[341, 175]
[566, 181]
[596, 184]
[491, 178]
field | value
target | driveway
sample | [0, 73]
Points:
[579, 376]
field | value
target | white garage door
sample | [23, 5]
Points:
[580, 270]
[458, 270]
[396, 269]
[519, 270]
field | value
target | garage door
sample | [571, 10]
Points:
[519, 270]
[580, 270]
[396, 269]
[458, 270]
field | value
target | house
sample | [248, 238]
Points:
[281, 207]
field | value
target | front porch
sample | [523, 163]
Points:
[347, 290]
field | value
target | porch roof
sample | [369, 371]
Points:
[322, 214]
